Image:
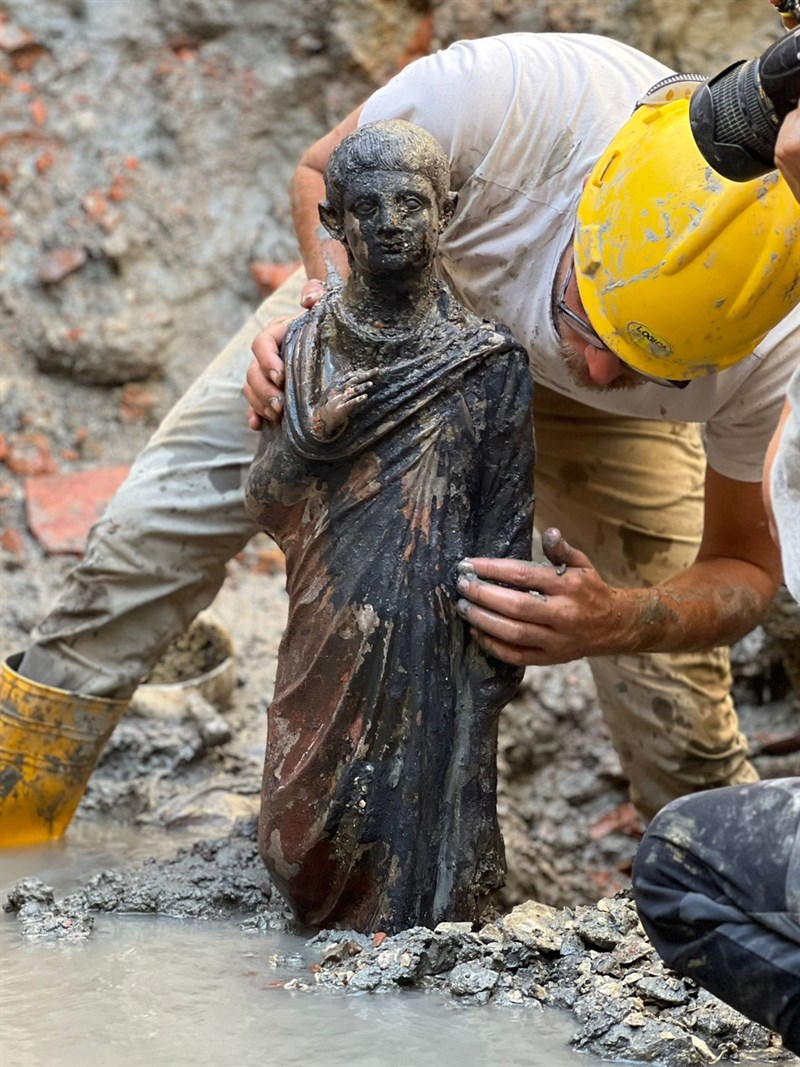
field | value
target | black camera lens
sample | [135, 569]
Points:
[735, 117]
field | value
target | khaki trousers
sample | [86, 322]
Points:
[628, 492]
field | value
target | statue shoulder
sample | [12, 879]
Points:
[486, 332]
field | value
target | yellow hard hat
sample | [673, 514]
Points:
[681, 271]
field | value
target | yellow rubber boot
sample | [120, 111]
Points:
[50, 740]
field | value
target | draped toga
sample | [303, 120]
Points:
[379, 790]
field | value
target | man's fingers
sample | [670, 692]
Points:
[311, 292]
[518, 657]
[266, 349]
[528, 606]
[265, 400]
[522, 633]
[555, 547]
[518, 573]
[263, 388]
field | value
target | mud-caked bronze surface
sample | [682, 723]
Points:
[406, 445]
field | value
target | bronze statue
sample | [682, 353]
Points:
[406, 445]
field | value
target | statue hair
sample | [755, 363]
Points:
[393, 145]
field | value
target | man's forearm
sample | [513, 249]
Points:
[318, 249]
[713, 602]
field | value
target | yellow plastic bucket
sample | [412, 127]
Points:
[50, 740]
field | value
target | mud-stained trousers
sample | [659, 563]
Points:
[158, 556]
[717, 884]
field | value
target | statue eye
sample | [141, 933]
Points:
[413, 203]
[362, 209]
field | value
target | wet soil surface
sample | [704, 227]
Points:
[593, 961]
[570, 837]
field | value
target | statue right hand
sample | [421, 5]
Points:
[332, 415]
[263, 388]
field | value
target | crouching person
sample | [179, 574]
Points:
[717, 884]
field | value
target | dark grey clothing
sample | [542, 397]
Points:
[717, 883]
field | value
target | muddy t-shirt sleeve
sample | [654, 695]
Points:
[460, 95]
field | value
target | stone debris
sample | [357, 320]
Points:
[594, 962]
[43, 918]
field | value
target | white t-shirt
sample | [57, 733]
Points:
[785, 490]
[523, 117]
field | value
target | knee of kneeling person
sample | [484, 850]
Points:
[662, 876]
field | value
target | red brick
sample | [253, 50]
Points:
[62, 508]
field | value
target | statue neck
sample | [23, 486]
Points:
[392, 302]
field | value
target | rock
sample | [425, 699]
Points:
[536, 925]
[62, 508]
[120, 346]
[453, 929]
[66, 921]
[342, 950]
[56, 265]
[29, 890]
[467, 980]
[660, 990]
[596, 929]
[631, 949]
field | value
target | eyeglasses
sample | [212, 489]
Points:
[584, 330]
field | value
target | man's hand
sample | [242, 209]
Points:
[263, 389]
[787, 151]
[550, 614]
[554, 615]
[789, 21]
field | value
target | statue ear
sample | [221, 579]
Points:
[330, 220]
[448, 207]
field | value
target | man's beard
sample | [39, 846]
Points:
[579, 372]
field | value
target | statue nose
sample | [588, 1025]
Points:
[390, 218]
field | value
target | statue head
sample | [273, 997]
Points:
[388, 196]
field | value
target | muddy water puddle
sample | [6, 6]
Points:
[156, 992]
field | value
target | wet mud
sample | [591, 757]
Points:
[570, 838]
[592, 961]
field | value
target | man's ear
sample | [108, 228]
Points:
[329, 219]
[448, 208]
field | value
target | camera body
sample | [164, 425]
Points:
[735, 117]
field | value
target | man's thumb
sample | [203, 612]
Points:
[556, 548]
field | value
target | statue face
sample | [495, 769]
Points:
[391, 221]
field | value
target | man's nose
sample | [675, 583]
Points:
[603, 366]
